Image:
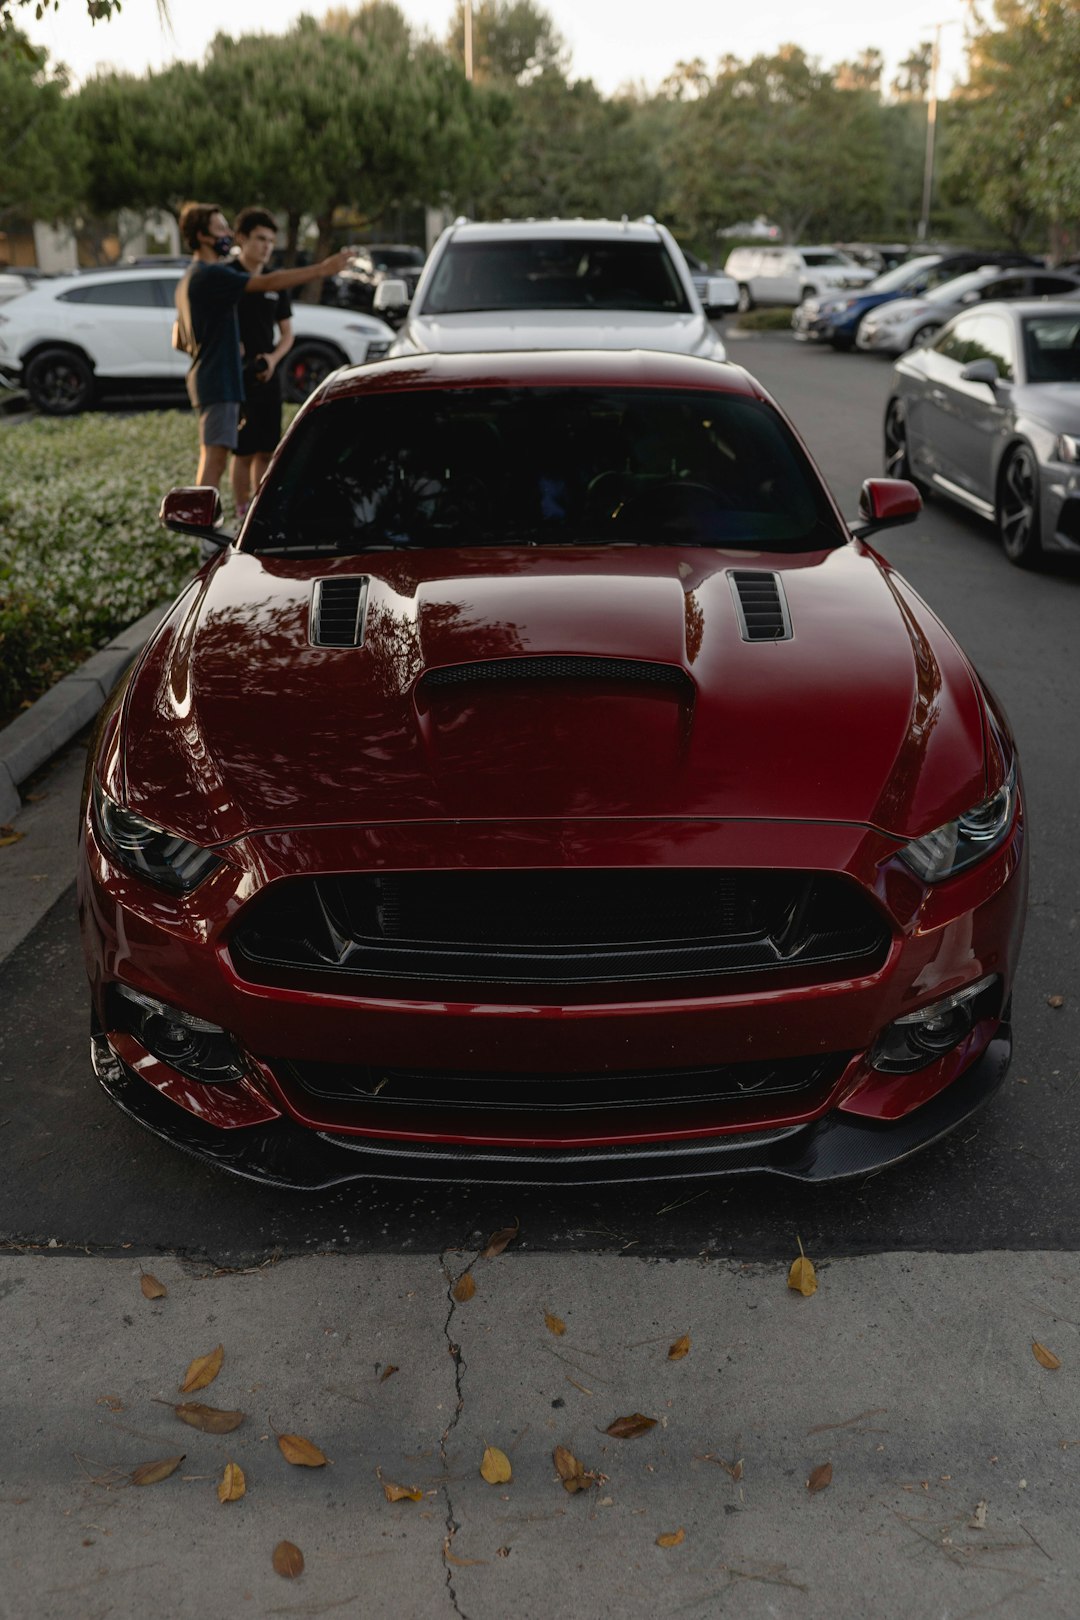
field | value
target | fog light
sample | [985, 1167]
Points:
[916, 1039]
[191, 1045]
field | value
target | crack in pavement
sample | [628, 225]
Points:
[460, 1367]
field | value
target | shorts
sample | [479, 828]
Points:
[219, 424]
[261, 428]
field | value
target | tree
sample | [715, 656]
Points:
[913, 79]
[514, 41]
[41, 175]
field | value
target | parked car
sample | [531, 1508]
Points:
[13, 283]
[989, 415]
[558, 284]
[837, 317]
[570, 794]
[74, 339]
[355, 286]
[787, 275]
[910, 323]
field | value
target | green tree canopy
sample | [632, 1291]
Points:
[513, 41]
[41, 175]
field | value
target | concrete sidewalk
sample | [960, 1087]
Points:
[955, 1455]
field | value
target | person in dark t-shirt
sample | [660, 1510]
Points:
[261, 317]
[207, 327]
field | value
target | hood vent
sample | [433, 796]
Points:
[558, 669]
[338, 607]
[760, 604]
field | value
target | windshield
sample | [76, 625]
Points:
[951, 292]
[1052, 347]
[897, 279]
[820, 256]
[548, 466]
[403, 258]
[547, 273]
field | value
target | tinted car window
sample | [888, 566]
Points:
[1043, 286]
[989, 337]
[124, 293]
[1006, 287]
[1052, 347]
[552, 466]
[951, 344]
[555, 274]
[826, 258]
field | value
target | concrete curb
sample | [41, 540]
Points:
[35, 735]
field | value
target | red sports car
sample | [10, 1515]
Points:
[548, 785]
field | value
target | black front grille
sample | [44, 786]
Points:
[559, 669]
[567, 926]
[550, 1094]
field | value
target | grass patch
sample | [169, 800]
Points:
[81, 553]
[766, 320]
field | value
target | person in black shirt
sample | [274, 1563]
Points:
[207, 328]
[260, 316]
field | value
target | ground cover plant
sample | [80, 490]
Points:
[81, 552]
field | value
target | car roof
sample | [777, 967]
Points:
[540, 368]
[528, 230]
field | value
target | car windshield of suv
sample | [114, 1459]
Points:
[1052, 347]
[902, 275]
[403, 258]
[823, 256]
[546, 273]
[548, 466]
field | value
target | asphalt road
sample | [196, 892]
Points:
[80, 1173]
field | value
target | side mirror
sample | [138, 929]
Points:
[980, 371]
[721, 296]
[194, 511]
[391, 295]
[885, 503]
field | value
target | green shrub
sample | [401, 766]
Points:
[766, 320]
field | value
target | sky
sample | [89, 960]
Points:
[613, 42]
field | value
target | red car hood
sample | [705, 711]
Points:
[235, 722]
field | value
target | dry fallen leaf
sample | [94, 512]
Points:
[153, 1473]
[1055, 1001]
[400, 1493]
[151, 1288]
[497, 1242]
[232, 1484]
[8, 835]
[1046, 1358]
[570, 1471]
[462, 1563]
[288, 1559]
[554, 1324]
[208, 1418]
[680, 1348]
[978, 1518]
[465, 1287]
[388, 1372]
[628, 1428]
[203, 1371]
[300, 1452]
[820, 1477]
[802, 1276]
[495, 1467]
[673, 1538]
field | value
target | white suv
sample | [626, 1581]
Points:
[787, 275]
[558, 284]
[73, 338]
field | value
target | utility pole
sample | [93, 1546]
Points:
[931, 131]
[468, 40]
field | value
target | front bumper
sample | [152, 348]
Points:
[837, 1147]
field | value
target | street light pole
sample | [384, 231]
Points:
[468, 40]
[931, 131]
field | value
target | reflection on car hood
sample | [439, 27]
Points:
[868, 714]
[489, 330]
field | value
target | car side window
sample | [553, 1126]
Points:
[989, 337]
[1042, 285]
[122, 293]
[1004, 287]
[952, 342]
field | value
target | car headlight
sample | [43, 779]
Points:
[147, 850]
[970, 838]
[1067, 448]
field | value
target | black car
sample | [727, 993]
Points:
[355, 287]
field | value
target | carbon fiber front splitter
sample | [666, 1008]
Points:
[835, 1148]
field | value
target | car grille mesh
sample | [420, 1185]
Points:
[760, 604]
[559, 669]
[561, 927]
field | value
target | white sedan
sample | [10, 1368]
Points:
[72, 339]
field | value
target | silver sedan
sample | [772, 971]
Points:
[909, 323]
[989, 415]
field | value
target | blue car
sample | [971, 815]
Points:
[834, 318]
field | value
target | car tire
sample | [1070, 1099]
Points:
[59, 382]
[307, 364]
[1016, 510]
[746, 299]
[926, 335]
[897, 459]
